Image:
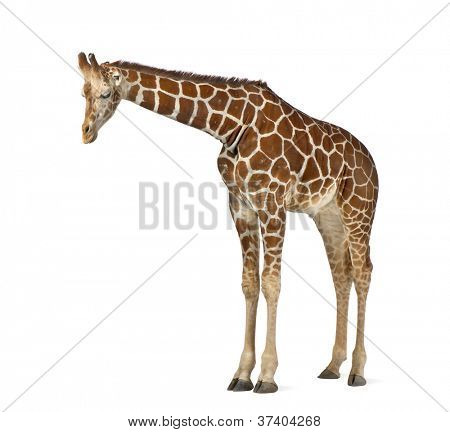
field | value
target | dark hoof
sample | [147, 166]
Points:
[356, 381]
[327, 374]
[232, 384]
[265, 387]
[242, 385]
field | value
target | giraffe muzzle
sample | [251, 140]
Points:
[89, 133]
[89, 137]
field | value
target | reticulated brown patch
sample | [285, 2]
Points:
[242, 170]
[206, 91]
[370, 192]
[251, 88]
[189, 89]
[309, 121]
[328, 182]
[267, 94]
[327, 127]
[280, 170]
[272, 241]
[301, 140]
[169, 86]
[256, 99]
[279, 195]
[132, 76]
[259, 181]
[249, 113]
[148, 100]
[245, 242]
[294, 158]
[357, 202]
[271, 145]
[259, 161]
[347, 135]
[286, 108]
[360, 176]
[347, 189]
[337, 137]
[148, 81]
[349, 155]
[133, 92]
[166, 103]
[263, 216]
[199, 121]
[214, 121]
[346, 208]
[263, 124]
[248, 143]
[311, 171]
[272, 206]
[236, 108]
[241, 227]
[361, 191]
[186, 110]
[316, 134]
[273, 225]
[321, 160]
[272, 111]
[336, 162]
[296, 120]
[315, 186]
[219, 101]
[327, 144]
[226, 169]
[359, 159]
[339, 147]
[285, 128]
[237, 93]
[227, 126]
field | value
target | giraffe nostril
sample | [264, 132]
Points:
[86, 129]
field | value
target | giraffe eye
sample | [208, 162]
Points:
[105, 95]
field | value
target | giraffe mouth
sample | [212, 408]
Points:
[89, 138]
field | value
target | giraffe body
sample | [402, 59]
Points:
[274, 159]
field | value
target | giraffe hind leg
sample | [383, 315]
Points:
[335, 239]
[361, 271]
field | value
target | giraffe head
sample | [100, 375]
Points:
[102, 91]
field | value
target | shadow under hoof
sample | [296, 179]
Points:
[356, 381]
[327, 374]
[239, 385]
[265, 387]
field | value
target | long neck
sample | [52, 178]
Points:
[220, 108]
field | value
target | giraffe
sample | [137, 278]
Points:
[274, 159]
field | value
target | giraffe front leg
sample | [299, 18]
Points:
[246, 222]
[336, 244]
[272, 228]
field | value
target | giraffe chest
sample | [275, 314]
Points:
[255, 185]
[289, 188]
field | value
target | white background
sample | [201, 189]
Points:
[71, 249]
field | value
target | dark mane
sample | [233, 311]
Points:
[197, 78]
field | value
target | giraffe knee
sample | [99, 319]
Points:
[271, 286]
[250, 284]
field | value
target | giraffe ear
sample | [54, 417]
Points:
[83, 63]
[116, 77]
